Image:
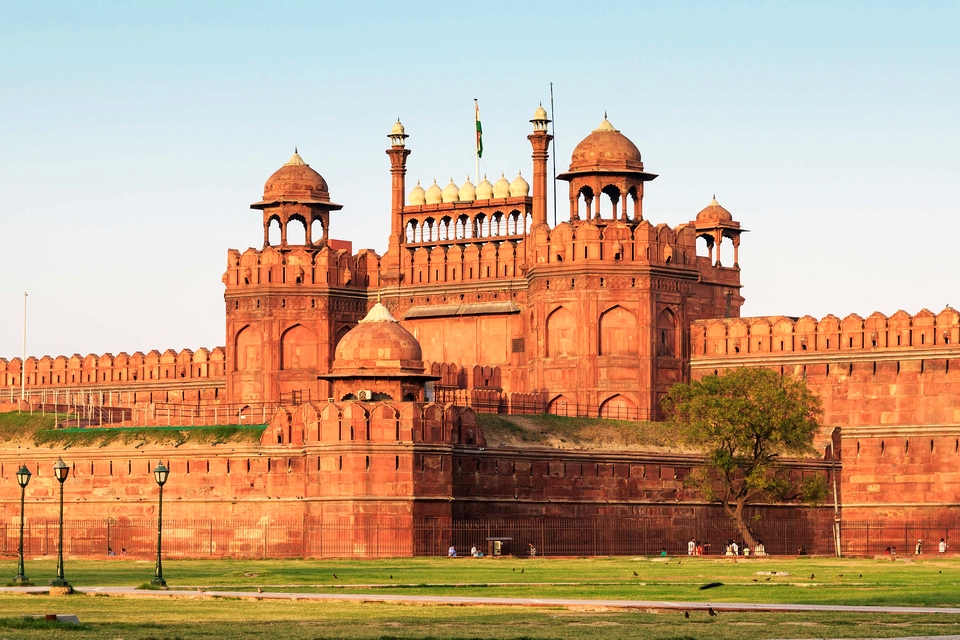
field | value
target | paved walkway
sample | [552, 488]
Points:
[472, 600]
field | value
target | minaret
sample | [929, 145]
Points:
[398, 172]
[540, 140]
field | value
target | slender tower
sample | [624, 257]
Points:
[540, 140]
[398, 174]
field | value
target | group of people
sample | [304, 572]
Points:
[941, 548]
[476, 553]
[732, 548]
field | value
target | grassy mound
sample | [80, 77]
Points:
[577, 433]
[40, 431]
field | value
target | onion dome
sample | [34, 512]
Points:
[417, 195]
[380, 346]
[468, 193]
[451, 193]
[502, 188]
[296, 181]
[606, 149]
[519, 187]
[713, 212]
[484, 189]
[434, 194]
[540, 113]
[398, 137]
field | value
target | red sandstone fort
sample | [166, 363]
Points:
[369, 371]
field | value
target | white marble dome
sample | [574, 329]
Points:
[434, 194]
[501, 189]
[519, 187]
[417, 195]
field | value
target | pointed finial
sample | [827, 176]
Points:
[295, 149]
[604, 114]
[714, 196]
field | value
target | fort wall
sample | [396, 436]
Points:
[891, 386]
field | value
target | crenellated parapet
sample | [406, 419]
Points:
[110, 370]
[300, 266]
[732, 338]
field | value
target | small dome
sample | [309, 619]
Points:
[417, 195]
[434, 194]
[296, 180]
[378, 343]
[502, 188]
[606, 148]
[540, 113]
[397, 129]
[484, 189]
[713, 212]
[468, 193]
[451, 193]
[519, 187]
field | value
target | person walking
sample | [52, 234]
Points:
[692, 547]
[942, 547]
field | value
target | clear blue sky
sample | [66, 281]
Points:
[133, 139]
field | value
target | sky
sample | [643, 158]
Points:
[134, 137]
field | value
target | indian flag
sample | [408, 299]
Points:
[479, 131]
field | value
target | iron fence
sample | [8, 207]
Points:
[551, 536]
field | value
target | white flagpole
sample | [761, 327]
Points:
[23, 362]
[476, 148]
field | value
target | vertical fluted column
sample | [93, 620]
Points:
[398, 175]
[540, 140]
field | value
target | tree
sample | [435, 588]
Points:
[742, 421]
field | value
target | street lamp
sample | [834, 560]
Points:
[60, 471]
[160, 475]
[23, 479]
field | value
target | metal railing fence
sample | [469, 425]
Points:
[552, 536]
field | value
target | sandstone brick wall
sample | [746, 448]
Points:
[891, 386]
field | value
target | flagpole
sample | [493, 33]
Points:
[476, 147]
[23, 362]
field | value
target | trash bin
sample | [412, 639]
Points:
[498, 546]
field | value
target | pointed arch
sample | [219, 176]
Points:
[619, 335]
[247, 349]
[298, 348]
[667, 334]
[561, 336]
[618, 407]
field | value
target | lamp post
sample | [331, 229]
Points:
[60, 471]
[160, 475]
[23, 479]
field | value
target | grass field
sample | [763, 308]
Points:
[928, 581]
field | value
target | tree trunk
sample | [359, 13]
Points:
[737, 516]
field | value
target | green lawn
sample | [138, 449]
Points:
[929, 581]
[137, 619]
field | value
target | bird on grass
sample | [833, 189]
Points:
[391, 576]
[840, 576]
[514, 569]
[754, 579]
[259, 590]
[522, 570]
[812, 576]
[635, 573]
[766, 579]
[861, 575]
[711, 612]
[686, 614]
[336, 577]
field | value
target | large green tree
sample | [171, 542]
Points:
[742, 421]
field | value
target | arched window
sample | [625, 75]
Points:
[667, 334]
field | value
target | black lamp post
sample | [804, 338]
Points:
[61, 471]
[160, 475]
[23, 479]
